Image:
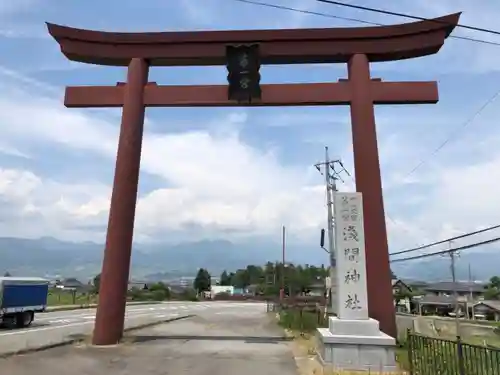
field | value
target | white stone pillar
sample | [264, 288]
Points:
[353, 341]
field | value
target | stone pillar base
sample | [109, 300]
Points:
[356, 345]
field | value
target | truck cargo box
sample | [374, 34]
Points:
[19, 294]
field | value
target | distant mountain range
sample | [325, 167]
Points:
[54, 258]
[51, 257]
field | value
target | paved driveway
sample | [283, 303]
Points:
[237, 339]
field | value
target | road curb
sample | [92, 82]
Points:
[93, 306]
[76, 340]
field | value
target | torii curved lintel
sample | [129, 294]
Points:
[289, 46]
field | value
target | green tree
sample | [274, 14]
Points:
[256, 274]
[97, 283]
[268, 279]
[202, 280]
[224, 278]
[159, 291]
[493, 288]
[495, 282]
[7, 274]
[240, 279]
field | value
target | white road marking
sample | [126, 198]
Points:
[87, 316]
[58, 321]
[72, 316]
[66, 325]
[42, 329]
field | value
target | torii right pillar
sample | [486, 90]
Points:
[369, 183]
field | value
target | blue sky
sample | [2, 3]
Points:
[243, 171]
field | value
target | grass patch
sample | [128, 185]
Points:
[402, 358]
[483, 341]
[62, 298]
[301, 321]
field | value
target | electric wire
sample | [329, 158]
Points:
[405, 15]
[446, 240]
[386, 12]
[453, 135]
[461, 248]
[350, 19]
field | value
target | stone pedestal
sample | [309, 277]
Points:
[356, 345]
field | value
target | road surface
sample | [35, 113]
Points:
[55, 327]
[223, 338]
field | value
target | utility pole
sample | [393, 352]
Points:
[283, 252]
[452, 255]
[331, 176]
[471, 295]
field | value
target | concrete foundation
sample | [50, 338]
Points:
[356, 345]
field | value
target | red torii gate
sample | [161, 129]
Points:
[355, 46]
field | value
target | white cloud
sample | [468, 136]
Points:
[8, 7]
[442, 200]
[214, 179]
[33, 206]
[462, 55]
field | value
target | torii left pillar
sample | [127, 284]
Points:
[110, 317]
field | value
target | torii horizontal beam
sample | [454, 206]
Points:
[308, 94]
[289, 46]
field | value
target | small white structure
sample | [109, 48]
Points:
[353, 341]
[217, 289]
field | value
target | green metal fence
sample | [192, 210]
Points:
[433, 356]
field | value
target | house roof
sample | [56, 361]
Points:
[402, 283]
[448, 286]
[137, 283]
[71, 282]
[434, 300]
[414, 283]
[493, 304]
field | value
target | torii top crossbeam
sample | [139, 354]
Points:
[288, 46]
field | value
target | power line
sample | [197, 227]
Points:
[454, 134]
[456, 131]
[397, 14]
[358, 20]
[466, 247]
[444, 241]
[305, 11]
[351, 19]
[386, 213]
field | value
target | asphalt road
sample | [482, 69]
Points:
[54, 327]
[222, 338]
